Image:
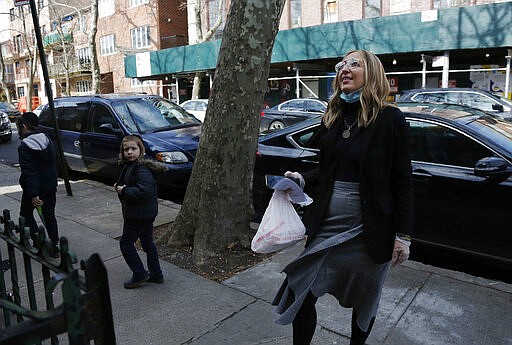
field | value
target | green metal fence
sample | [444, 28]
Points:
[53, 297]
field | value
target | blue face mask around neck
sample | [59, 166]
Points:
[351, 97]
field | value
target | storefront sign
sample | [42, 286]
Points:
[393, 84]
[21, 2]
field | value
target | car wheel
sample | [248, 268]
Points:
[276, 125]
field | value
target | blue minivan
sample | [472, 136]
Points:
[92, 127]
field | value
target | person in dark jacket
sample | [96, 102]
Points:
[38, 177]
[361, 218]
[137, 191]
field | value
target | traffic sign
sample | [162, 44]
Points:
[21, 2]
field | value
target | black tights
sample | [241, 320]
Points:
[304, 324]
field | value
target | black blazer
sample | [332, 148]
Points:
[385, 182]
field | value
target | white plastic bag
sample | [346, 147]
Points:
[280, 226]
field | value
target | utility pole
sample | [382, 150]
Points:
[48, 88]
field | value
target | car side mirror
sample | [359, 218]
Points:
[497, 107]
[107, 128]
[494, 168]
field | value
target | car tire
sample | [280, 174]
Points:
[276, 125]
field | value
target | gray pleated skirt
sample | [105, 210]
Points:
[336, 262]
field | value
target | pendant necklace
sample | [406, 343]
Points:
[346, 132]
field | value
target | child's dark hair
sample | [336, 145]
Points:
[139, 143]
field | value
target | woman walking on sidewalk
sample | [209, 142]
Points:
[137, 190]
[361, 217]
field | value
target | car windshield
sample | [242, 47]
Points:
[7, 106]
[151, 114]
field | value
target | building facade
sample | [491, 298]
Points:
[124, 27]
[421, 43]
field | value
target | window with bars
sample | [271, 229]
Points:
[451, 3]
[83, 55]
[295, 13]
[40, 4]
[214, 11]
[330, 11]
[134, 3]
[372, 8]
[83, 86]
[108, 45]
[21, 91]
[82, 23]
[141, 37]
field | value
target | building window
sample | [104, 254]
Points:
[5, 49]
[134, 3]
[83, 55]
[82, 23]
[140, 37]
[330, 11]
[21, 91]
[108, 45]
[137, 83]
[372, 8]
[105, 8]
[295, 13]
[216, 8]
[12, 15]
[40, 4]
[18, 44]
[83, 86]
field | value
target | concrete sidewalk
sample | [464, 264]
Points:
[420, 304]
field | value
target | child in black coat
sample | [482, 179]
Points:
[137, 190]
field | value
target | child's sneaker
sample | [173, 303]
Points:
[134, 283]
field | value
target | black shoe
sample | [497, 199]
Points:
[134, 283]
[156, 280]
[54, 252]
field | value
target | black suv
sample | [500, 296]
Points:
[92, 127]
[473, 98]
[10, 110]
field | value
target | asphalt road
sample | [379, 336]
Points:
[9, 150]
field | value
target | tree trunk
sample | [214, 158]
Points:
[95, 67]
[3, 76]
[218, 203]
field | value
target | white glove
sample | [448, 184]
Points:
[400, 253]
[297, 176]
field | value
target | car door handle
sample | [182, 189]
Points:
[421, 174]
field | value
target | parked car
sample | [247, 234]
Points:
[290, 112]
[196, 107]
[474, 98]
[38, 110]
[92, 127]
[5, 128]
[10, 110]
[462, 166]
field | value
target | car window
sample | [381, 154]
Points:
[294, 105]
[303, 137]
[152, 114]
[100, 115]
[189, 106]
[315, 106]
[478, 101]
[70, 117]
[434, 143]
[200, 106]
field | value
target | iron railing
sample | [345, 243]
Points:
[81, 307]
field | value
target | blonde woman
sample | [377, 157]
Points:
[361, 218]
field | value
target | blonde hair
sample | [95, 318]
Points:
[373, 94]
[137, 141]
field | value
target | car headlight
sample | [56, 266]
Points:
[4, 118]
[174, 157]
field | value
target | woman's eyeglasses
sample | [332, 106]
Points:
[351, 64]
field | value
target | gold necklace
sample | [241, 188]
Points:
[346, 133]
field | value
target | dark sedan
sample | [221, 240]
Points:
[291, 112]
[462, 166]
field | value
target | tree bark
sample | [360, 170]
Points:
[218, 203]
[95, 67]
